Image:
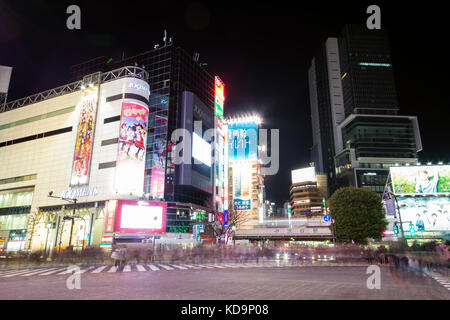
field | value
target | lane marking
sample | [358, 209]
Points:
[179, 267]
[113, 269]
[15, 274]
[140, 268]
[50, 272]
[153, 267]
[191, 266]
[99, 269]
[166, 267]
[127, 268]
[36, 272]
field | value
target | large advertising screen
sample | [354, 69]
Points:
[131, 154]
[85, 137]
[303, 175]
[141, 216]
[425, 213]
[243, 141]
[201, 150]
[421, 179]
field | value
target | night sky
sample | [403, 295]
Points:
[261, 52]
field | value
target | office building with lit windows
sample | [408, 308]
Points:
[355, 113]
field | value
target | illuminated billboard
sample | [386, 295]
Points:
[243, 141]
[130, 165]
[425, 213]
[242, 185]
[219, 145]
[159, 157]
[85, 137]
[420, 180]
[201, 150]
[140, 216]
[303, 175]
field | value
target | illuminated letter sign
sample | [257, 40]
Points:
[85, 137]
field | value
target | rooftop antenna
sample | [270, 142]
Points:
[123, 55]
[196, 56]
[165, 37]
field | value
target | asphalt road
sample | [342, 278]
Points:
[215, 283]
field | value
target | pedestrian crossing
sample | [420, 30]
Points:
[444, 281]
[134, 267]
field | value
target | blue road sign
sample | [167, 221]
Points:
[326, 218]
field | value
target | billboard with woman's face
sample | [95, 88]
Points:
[421, 180]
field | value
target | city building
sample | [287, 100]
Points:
[354, 111]
[106, 141]
[172, 72]
[307, 193]
[246, 191]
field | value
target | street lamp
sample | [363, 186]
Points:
[74, 201]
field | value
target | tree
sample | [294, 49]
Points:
[34, 219]
[235, 219]
[358, 214]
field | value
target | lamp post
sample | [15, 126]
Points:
[234, 239]
[399, 216]
[74, 201]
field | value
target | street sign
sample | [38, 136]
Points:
[326, 218]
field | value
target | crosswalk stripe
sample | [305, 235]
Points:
[178, 267]
[113, 269]
[229, 265]
[50, 272]
[217, 266]
[14, 274]
[99, 269]
[204, 266]
[153, 267]
[127, 268]
[12, 271]
[36, 272]
[71, 270]
[140, 268]
[191, 266]
[166, 267]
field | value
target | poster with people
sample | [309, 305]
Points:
[421, 179]
[85, 136]
[426, 213]
[131, 151]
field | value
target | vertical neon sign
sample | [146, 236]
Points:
[219, 172]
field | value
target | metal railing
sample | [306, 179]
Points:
[95, 78]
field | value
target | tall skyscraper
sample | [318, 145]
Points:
[357, 132]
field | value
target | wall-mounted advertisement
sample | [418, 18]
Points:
[141, 216]
[85, 137]
[303, 175]
[421, 179]
[242, 186]
[201, 150]
[131, 154]
[243, 141]
[159, 158]
[426, 213]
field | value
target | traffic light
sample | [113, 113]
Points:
[412, 229]
[396, 228]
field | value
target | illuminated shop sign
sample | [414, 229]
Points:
[79, 192]
[85, 137]
[159, 158]
[139, 86]
[219, 89]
